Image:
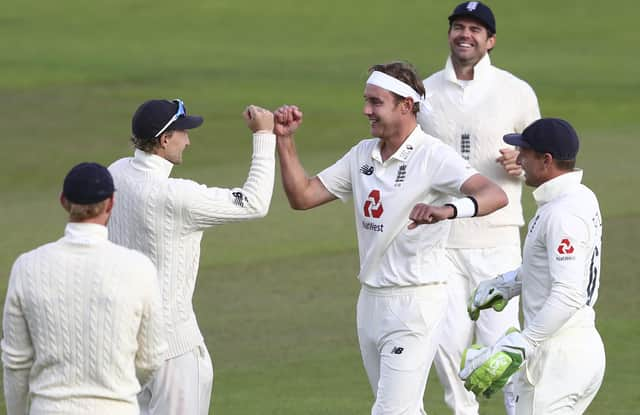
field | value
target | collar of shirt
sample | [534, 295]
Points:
[410, 144]
[85, 233]
[557, 186]
[151, 162]
[480, 71]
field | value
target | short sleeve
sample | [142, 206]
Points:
[448, 170]
[337, 178]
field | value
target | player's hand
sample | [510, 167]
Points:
[494, 293]
[258, 118]
[507, 159]
[287, 120]
[486, 370]
[425, 214]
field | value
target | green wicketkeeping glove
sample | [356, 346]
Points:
[486, 370]
[494, 293]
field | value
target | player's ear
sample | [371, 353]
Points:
[491, 42]
[407, 105]
[164, 138]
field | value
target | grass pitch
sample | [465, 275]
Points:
[276, 297]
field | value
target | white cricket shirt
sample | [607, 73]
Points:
[560, 272]
[423, 170]
[472, 117]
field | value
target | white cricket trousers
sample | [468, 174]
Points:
[397, 331]
[181, 386]
[468, 267]
[563, 376]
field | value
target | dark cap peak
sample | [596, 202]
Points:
[548, 135]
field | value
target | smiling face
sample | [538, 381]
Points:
[469, 41]
[172, 144]
[534, 165]
[384, 111]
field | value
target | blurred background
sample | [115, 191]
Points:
[276, 297]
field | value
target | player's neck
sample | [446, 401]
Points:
[392, 143]
[463, 72]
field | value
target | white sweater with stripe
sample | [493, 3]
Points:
[165, 218]
[472, 117]
[82, 327]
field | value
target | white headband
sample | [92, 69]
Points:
[392, 84]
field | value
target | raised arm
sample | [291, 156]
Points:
[303, 192]
[208, 206]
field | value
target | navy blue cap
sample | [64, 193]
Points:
[87, 183]
[152, 117]
[548, 135]
[475, 10]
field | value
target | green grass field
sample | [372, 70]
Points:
[276, 297]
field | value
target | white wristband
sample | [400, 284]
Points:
[466, 207]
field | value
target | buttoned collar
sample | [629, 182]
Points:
[410, 144]
[151, 162]
[480, 71]
[85, 233]
[557, 186]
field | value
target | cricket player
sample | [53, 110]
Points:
[563, 354]
[164, 218]
[399, 179]
[471, 105]
[82, 324]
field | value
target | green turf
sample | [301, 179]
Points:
[275, 298]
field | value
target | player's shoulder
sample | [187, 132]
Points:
[31, 255]
[434, 79]
[366, 145]
[128, 254]
[178, 186]
[511, 80]
[119, 164]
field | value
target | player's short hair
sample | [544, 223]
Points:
[79, 213]
[567, 165]
[148, 145]
[405, 72]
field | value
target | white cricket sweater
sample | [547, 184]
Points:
[82, 326]
[472, 117]
[165, 217]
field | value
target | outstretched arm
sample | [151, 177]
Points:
[303, 192]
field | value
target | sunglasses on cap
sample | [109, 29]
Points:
[178, 114]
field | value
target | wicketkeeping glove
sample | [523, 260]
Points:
[494, 293]
[486, 370]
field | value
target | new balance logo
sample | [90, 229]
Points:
[238, 199]
[397, 350]
[366, 170]
[472, 5]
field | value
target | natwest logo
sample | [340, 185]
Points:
[373, 205]
[565, 247]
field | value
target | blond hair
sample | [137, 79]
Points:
[79, 213]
